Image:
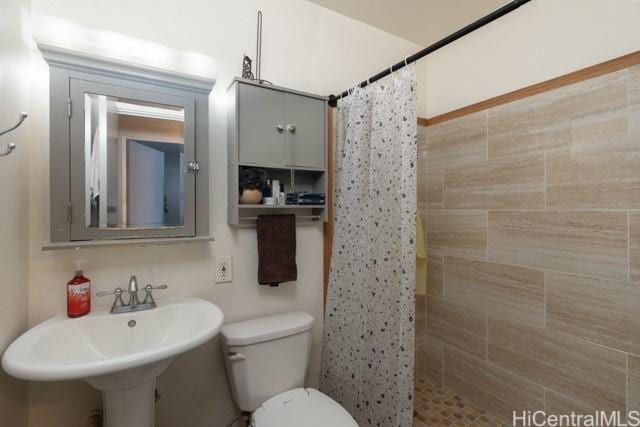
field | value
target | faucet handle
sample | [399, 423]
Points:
[118, 302]
[148, 298]
[116, 292]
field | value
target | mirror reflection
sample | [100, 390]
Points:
[134, 163]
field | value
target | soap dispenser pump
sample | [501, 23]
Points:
[78, 293]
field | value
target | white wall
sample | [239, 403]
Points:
[14, 66]
[305, 47]
[541, 40]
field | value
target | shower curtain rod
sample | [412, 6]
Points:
[509, 7]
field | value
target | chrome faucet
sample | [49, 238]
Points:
[133, 292]
[134, 303]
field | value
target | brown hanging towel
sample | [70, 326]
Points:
[276, 249]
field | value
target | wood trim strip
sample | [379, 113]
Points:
[603, 68]
[328, 226]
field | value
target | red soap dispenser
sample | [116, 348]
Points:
[78, 293]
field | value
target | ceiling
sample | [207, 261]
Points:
[420, 21]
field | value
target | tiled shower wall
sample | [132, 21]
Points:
[532, 213]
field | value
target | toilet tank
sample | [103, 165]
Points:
[266, 356]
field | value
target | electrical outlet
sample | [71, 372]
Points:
[224, 269]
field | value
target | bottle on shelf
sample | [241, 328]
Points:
[267, 192]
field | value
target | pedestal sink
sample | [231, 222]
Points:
[119, 354]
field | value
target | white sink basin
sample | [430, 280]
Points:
[120, 354]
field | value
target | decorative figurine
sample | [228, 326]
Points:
[246, 68]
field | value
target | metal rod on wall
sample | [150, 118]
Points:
[510, 7]
[259, 48]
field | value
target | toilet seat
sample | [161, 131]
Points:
[302, 407]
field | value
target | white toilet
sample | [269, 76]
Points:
[266, 359]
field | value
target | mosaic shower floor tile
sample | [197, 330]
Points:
[437, 406]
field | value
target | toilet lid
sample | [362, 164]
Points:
[302, 407]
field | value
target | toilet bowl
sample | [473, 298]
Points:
[266, 360]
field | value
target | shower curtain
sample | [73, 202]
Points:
[368, 345]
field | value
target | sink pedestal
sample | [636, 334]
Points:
[130, 407]
[128, 397]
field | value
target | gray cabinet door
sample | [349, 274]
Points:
[306, 142]
[261, 126]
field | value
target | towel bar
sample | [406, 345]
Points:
[309, 217]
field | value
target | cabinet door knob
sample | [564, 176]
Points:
[193, 166]
[279, 128]
[291, 128]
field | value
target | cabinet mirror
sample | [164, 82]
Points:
[134, 163]
[129, 152]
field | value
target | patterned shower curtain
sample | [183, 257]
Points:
[368, 345]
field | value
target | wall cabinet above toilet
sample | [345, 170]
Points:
[283, 133]
[279, 129]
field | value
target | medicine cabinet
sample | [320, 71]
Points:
[129, 151]
[282, 132]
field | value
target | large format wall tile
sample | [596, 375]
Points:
[457, 233]
[605, 127]
[421, 320]
[588, 98]
[593, 243]
[634, 120]
[553, 119]
[634, 85]
[422, 192]
[491, 388]
[514, 129]
[420, 365]
[435, 183]
[592, 375]
[634, 247]
[458, 141]
[434, 360]
[422, 138]
[457, 326]
[500, 184]
[634, 101]
[515, 292]
[633, 383]
[546, 187]
[603, 176]
[558, 404]
[435, 264]
[598, 310]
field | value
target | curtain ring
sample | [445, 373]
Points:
[405, 61]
